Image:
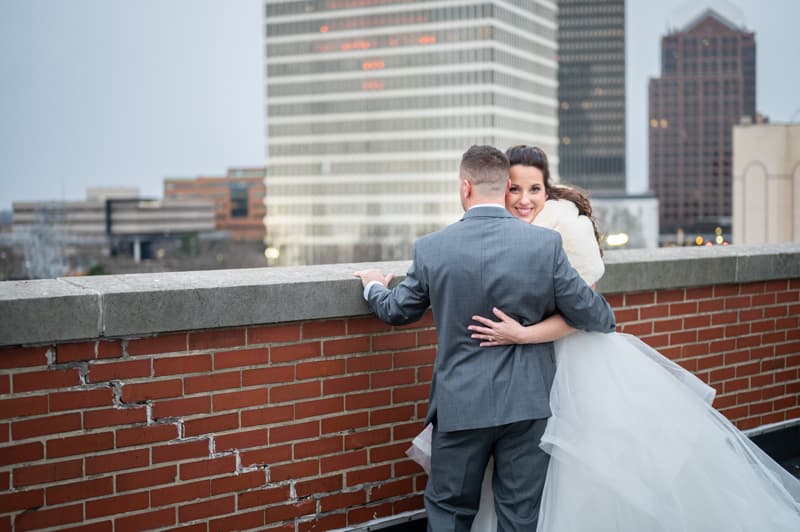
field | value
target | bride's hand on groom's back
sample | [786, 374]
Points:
[504, 332]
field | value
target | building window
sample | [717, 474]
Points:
[238, 200]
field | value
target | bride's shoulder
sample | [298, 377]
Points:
[556, 212]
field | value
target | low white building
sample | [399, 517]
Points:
[766, 183]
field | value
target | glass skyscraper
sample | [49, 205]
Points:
[370, 104]
[591, 93]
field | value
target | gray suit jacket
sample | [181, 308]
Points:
[490, 259]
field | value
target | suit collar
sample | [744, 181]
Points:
[487, 211]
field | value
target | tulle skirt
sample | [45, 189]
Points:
[636, 446]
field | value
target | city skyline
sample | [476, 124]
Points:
[111, 93]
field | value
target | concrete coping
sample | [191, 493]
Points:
[137, 305]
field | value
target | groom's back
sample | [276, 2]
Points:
[489, 259]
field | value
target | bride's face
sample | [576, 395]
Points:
[526, 193]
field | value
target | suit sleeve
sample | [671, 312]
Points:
[581, 307]
[405, 303]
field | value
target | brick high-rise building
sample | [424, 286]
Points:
[591, 94]
[707, 85]
[238, 199]
[371, 104]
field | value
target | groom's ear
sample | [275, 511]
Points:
[466, 188]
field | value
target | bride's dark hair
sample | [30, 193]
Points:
[536, 157]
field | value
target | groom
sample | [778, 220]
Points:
[487, 401]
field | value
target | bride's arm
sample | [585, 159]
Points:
[509, 331]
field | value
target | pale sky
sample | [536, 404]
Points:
[126, 93]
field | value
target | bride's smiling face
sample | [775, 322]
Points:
[526, 192]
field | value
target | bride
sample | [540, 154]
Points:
[635, 444]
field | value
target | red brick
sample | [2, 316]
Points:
[40, 426]
[391, 415]
[771, 364]
[267, 416]
[416, 357]
[45, 380]
[788, 375]
[211, 424]
[167, 343]
[785, 402]
[182, 407]
[638, 329]
[47, 473]
[75, 352]
[118, 461]
[675, 324]
[145, 521]
[277, 514]
[185, 491]
[318, 486]
[263, 497]
[693, 350]
[641, 298]
[83, 444]
[763, 326]
[293, 392]
[426, 338]
[343, 500]
[320, 329]
[757, 381]
[370, 362]
[23, 357]
[292, 352]
[77, 491]
[22, 500]
[240, 482]
[368, 324]
[240, 521]
[412, 503]
[242, 357]
[323, 368]
[345, 384]
[81, 399]
[703, 292]
[120, 504]
[345, 422]
[318, 407]
[298, 431]
[294, 470]
[404, 394]
[182, 365]
[144, 435]
[696, 322]
[268, 375]
[241, 440]
[44, 518]
[391, 489]
[748, 396]
[154, 476]
[24, 406]
[737, 302]
[237, 400]
[388, 453]
[402, 340]
[319, 447]
[213, 382]
[329, 522]
[368, 513]
[710, 305]
[763, 300]
[273, 334]
[684, 337]
[752, 288]
[776, 312]
[722, 290]
[216, 338]
[407, 431]
[102, 526]
[128, 369]
[751, 314]
[135, 393]
[208, 468]
[393, 378]
[5, 384]
[787, 297]
[790, 348]
[772, 338]
[632, 314]
[341, 462]
[267, 456]
[724, 318]
[773, 391]
[668, 296]
[358, 344]
[368, 400]
[656, 341]
[735, 413]
[358, 440]
[722, 374]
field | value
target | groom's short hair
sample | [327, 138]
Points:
[486, 167]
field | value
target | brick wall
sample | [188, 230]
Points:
[303, 425]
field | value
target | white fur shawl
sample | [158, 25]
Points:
[577, 234]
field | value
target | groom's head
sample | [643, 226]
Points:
[483, 175]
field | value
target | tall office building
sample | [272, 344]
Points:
[707, 85]
[371, 103]
[591, 94]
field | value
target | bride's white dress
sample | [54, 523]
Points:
[636, 446]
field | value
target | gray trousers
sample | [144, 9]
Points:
[458, 461]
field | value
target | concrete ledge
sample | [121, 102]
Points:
[78, 308]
